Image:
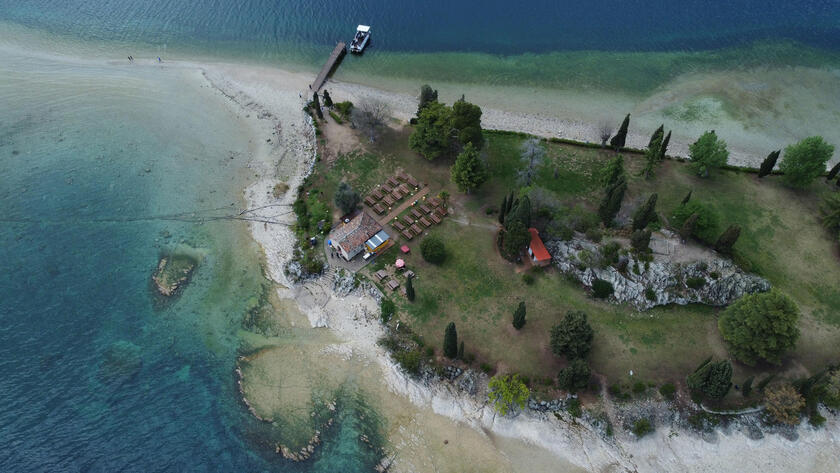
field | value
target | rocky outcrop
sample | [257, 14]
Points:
[714, 280]
[173, 272]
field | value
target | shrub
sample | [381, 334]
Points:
[433, 250]
[639, 387]
[572, 337]
[706, 225]
[409, 360]
[784, 404]
[595, 234]
[640, 241]
[650, 294]
[486, 368]
[528, 278]
[575, 376]
[387, 308]
[601, 289]
[642, 427]
[668, 391]
[695, 282]
[336, 117]
[609, 253]
[344, 108]
[507, 392]
[760, 327]
[711, 380]
[573, 407]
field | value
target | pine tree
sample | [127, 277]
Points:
[317, 105]
[611, 204]
[409, 290]
[503, 210]
[327, 100]
[450, 341]
[519, 316]
[727, 239]
[645, 214]
[686, 198]
[663, 148]
[688, 226]
[461, 350]
[468, 172]
[834, 171]
[619, 139]
[769, 163]
[657, 135]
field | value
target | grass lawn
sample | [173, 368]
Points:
[781, 239]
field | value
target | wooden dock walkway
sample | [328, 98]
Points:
[336, 56]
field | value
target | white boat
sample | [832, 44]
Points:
[360, 40]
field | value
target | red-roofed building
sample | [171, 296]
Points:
[536, 250]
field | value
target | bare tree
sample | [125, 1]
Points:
[370, 115]
[605, 131]
[532, 156]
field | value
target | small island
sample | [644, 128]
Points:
[173, 272]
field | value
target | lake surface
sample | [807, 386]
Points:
[96, 374]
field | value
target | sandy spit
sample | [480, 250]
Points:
[284, 150]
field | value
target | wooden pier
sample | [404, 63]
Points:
[335, 57]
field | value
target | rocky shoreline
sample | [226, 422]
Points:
[350, 312]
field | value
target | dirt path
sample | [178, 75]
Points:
[396, 212]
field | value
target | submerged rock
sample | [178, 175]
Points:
[121, 360]
[173, 272]
[714, 280]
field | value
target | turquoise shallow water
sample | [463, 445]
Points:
[95, 374]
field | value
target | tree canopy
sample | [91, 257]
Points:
[468, 172]
[427, 95]
[433, 250]
[466, 120]
[575, 376]
[805, 161]
[707, 153]
[346, 199]
[783, 403]
[433, 134]
[506, 392]
[572, 337]
[761, 326]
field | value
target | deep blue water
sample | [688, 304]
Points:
[264, 27]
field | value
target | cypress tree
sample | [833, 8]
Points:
[450, 341]
[409, 290]
[686, 198]
[837, 183]
[503, 211]
[769, 163]
[618, 140]
[727, 239]
[657, 135]
[521, 212]
[663, 148]
[461, 350]
[317, 106]
[833, 172]
[640, 240]
[612, 201]
[327, 99]
[652, 155]
[509, 203]
[687, 228]
[645, 214]
[519, 316]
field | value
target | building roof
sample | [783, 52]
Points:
[537, 247]
[378, 239]
[352, 235]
